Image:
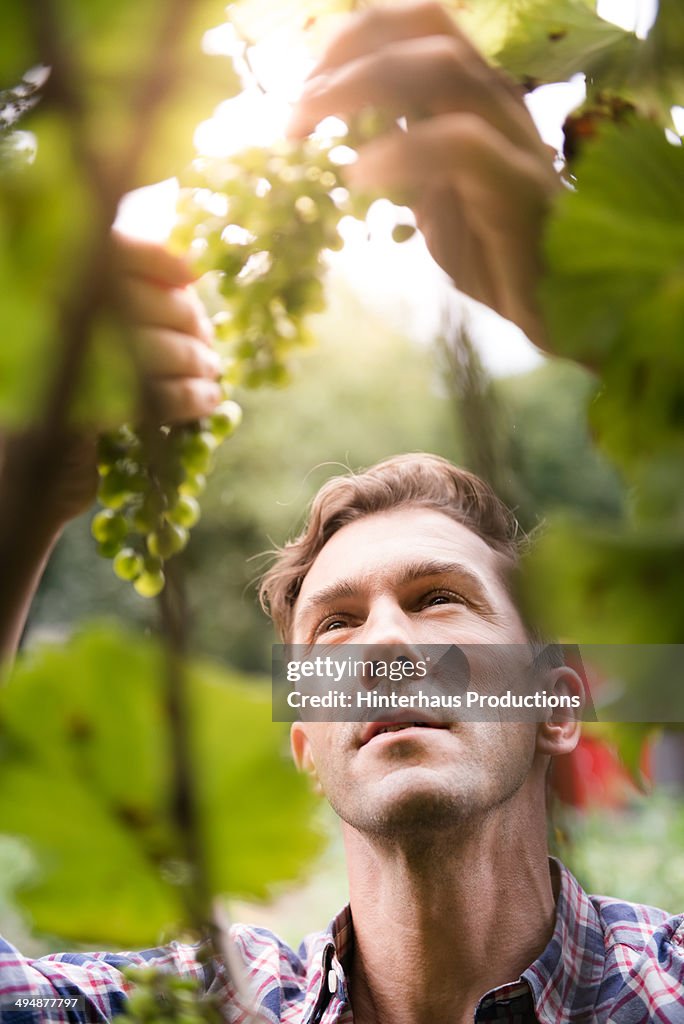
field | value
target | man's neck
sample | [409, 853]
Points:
[433, 935]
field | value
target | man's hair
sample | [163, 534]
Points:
[416, 481]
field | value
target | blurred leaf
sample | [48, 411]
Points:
[614, 293]
[660, 71]
[639, 414]
[255, 810]
[17, 49]
[487, 22]
[205, 82]
[119, 51]
[551, 40]
[616, 241]
[43, 246]
[85, 765]
[594, 587]
[108, 389]
[123, 58]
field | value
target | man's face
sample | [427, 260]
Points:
[405, 578]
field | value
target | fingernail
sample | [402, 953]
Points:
[212, 362]
[213, 393]
[207, 328]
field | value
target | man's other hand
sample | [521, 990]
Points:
[173, 338]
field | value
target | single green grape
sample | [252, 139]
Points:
[128, 564]
[186, 512]
[196, 450]
[109, 548]
[193, 486]
[167, 540]
[225, 420]
[149, 584]
[109, 526]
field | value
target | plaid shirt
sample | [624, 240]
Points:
[608, 962]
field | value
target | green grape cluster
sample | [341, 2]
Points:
[256, 226]
[149, 486]
[163, 998]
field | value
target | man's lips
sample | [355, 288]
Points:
[393, 725]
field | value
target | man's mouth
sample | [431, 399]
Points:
[375, 729]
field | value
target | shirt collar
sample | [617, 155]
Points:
[564, 980]
[327, 991]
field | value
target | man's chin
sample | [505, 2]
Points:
[408, 802]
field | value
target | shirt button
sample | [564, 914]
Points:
[332, 982]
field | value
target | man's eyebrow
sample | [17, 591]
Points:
[414, 571]
[410, 573]
[329, 595]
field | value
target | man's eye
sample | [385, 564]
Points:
[331, 624]
[442, 597]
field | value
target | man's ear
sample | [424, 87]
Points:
[302, 754]
[561, 732]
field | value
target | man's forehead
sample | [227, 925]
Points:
[396, 547]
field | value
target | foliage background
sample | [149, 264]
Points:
[368, 392]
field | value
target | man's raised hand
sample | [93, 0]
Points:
[480, 177]
[172, 336]
[172, 331]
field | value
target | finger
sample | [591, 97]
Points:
[178, 309]
[461, 151]
[454, 245]
[178, 400]
[488, 237]
[429, 76]
[373, 29]
[150, 260]
[486, 260]
[168, 353]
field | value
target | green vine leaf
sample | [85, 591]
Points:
[614, 292]
[660, 71]
[42, 252]
[551, 41]
[86, 780]
[616, 241]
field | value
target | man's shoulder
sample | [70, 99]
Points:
[610, 961]
[262, 949]
[644, 965]
[285, 984]
[637, 926]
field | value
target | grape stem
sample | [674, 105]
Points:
[205, 916]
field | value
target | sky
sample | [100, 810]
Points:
[401, 282]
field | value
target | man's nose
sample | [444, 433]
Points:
[389, 627]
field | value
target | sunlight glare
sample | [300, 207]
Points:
[633, 15]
